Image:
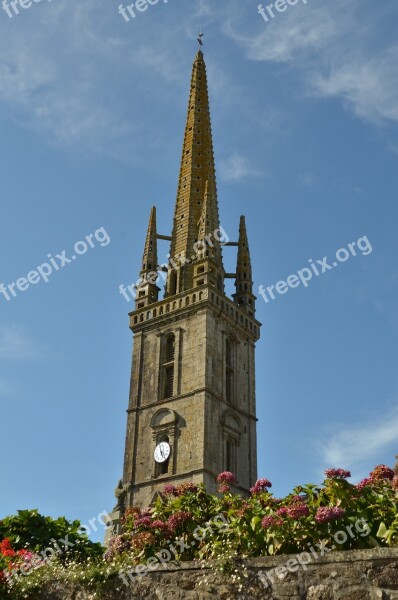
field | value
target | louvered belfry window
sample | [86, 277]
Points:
[168, 366]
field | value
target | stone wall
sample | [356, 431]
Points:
[355, 575]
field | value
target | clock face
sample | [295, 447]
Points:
[162, 452]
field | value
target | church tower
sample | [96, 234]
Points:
[192, 408]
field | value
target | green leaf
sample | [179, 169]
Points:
[382, 531]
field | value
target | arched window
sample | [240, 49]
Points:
[231, 431]
[229, 372]
[163, 468]
[168, 367]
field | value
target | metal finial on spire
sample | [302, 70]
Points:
[200, 36]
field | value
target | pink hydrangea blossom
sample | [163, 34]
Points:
[261, 485]
[271, 521]
[226, 477]
[382, 472]
[170, 490]
[297, 511]
[337, 474]
[326, 514]
[282, 512]
[157, 524]
[178, 519]
[223, 488]
[365, 482]
[143, 522]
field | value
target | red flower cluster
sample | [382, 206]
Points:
[169, 490]
[181, 490]
[6, 548]
[157, 524]
[382, 472]
[282, 512]
[271, 521]
[179, 518]
[224, 480]
[337, 474]
[145, 521]
[326, 514]
[19, 556]
[223, 488]
[297, 511]
[261, 485]
[226, 477]
[187, 488]
[364, 483]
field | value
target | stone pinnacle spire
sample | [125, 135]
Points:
[207, 225]
[197, 168]
[150, 257]
[147, 290]
[244, 283]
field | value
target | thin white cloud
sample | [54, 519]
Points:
[289, 35]
[357, 446]
[369, 86]
[334, 57]
[16, 344]
[237, 167]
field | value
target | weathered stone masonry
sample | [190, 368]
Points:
[355, 575]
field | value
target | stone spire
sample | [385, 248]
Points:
[150, 257]
[244, 283]
[197, 168]
[208, 266]
[147, 290]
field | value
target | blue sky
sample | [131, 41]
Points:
[304, 112]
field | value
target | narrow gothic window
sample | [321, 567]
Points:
[229, 372]
[173, 283]
[168, 367]
[230, 456]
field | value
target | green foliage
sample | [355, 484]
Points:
[187, 523]
[29, 529]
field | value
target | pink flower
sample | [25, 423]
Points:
[260, 486]
[297, 511]
[394, 483]
[169, 490]
[271, 521]
[143, 522]
[186, 488]
[178, 519]
[282, 512]
[223, 489]
[226, 477]
[365, 482]
[326, 514]
[382, 472]
[337, 474]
